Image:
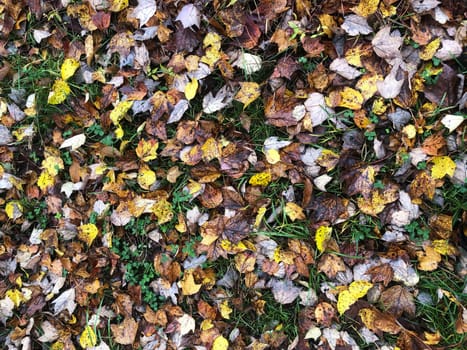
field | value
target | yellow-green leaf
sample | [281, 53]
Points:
[69, 67]
[163, 211]
[345, 301]
[190, 89]
[88, 338]
[322, 236]
[59, 93]
[359, 288]
[53, 164]
[87, 233]
[442, 166]
[220, 343]
[15, 296]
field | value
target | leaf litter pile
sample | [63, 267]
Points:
[233, 174]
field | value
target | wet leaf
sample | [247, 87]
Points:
[249, 92]
[397, 300]
[147, 150]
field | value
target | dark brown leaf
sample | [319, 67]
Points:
[398, 300]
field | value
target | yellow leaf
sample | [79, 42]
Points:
[347, 298]
[190, 89]
[249, 91]
[146, 177]
[147, 150]
[328, 24]
[60, 90]
[410, 131]
[387, 10]
[163, 211]
[350, 98]
[119, 132]
[322, 236]
[45, 180]
[432, 338]
[225, 309]
[211, 56]
[119, 112]
[87, 233]
[220, 343]
[379, 107]
[14, 210]
[294, 211]
[366, 7]
[188, 285]
[430, 49]
[212, 39]
[260, 179]
[88, 338]
[15, 296]
[118, 5]
[53, 164]
[443, 247]
[210, 149]
[367, 85]
[272, 156]
[69, 67]
[358, 289]
[442, 166]
[345, 301]
[259, 217]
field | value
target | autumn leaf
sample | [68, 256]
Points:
[14, 210]
[147, 150]
[294, 211]
[260, 179]
[188, 285]
[59, 93]
[190, 89]
[88, 338]
[322, 236]
[125, 332]
[249, 92]
[356, 290]
[68, 68]
[87, 233]
[442, 166]
[220, 343]
[398, 300]
[119, 112]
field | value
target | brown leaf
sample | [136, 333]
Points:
[410, 341]
[377, 321]
[325, 314]
[279, 108]
[285, 68]
[381, 273]
[360, 180]
[433, 144]
[444, 91]
[125, 332]
[270, 9]
[398, 300]
[330, 265]
[211, 197]
[327, 208]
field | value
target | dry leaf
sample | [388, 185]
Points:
[125, 332]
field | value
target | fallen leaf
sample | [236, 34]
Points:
[260, 179]
[68, 68]
[248, 62]
[60, 91]
[386, 44]
[220, 343]
[147, 149]
[189, 15]
[366, 8]
[356, 25]
[187, 324]
[356, 290]
[125, 332]
[87, 233]
[144, 11]
[294, 211]
[322, 236]
[284, 292]
[88, 338]
[397, 300]
[424, 5]
[188, 285]
[190, 89]
[74, 142]
[249, 92]
[442, 166]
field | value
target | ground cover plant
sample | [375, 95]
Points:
[271, 174]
